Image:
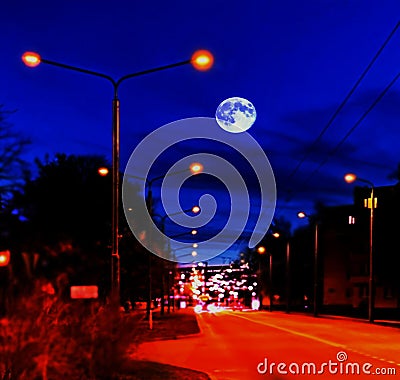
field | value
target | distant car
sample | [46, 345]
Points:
[209, 306]
[237, 305]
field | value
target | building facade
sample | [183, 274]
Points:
[345, 253]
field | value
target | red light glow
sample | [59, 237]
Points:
[31, 59]
[4, 258]
[202, 60]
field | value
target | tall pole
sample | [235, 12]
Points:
[350, 178]
[115, 259]
[371, 260]
[202, 60]
[270, 283]
[149, 306]
[316, 270]
[288, 276]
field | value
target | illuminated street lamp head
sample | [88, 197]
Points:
[202, 60]
[102, 171]
[195, 245]
[276, 234]
[261, 250]
[194, 232]
[350, 177]
[194, 253]
[31, 59]
[301, 214]
[4, 258]
[196, 168]
[195, 209]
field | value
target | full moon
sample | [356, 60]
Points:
[235, 115]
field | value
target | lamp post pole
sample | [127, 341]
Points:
[371, 298]
[302, 215]
[277, 235]
[288, 284]
[201, 60]
[270, 283]
[316, 263]
[371, 204]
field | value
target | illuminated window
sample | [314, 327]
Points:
[352, 219]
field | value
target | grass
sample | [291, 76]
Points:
[169, 326]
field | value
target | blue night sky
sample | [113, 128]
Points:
[296, 61]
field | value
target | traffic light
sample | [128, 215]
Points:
[4, 258]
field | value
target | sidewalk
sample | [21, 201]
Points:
[381, 322]
[181, 324]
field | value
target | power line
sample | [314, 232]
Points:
[335, 114]
[353, 128]
[343, 103]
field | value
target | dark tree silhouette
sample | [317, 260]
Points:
[395, 175]
[12, 166]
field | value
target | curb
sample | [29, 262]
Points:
[385, 323]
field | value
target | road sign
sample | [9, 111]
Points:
[85, 291]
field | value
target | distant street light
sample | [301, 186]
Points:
[303, 215]
[196, 168]
[4, 258]
[201, 60]
[371, 204]
[194, 210]
[261, 250]
[103, 171]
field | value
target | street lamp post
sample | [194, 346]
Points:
[195, 210]
[371, 204]
[202, 60]
[316, 261]
[262, 250]
[288, 284]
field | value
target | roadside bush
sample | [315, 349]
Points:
[43, 338]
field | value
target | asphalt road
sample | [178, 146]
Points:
[252, 345]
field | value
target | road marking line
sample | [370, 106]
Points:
[312, 337]
[328, 342]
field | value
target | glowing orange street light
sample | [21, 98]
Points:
[194, 232]
[302, 215]
[350, 177]
[276, 234]
[196, 168]
[195, 209]
[261, 250]
[4, 258]
[31, 59]
[202, 60]
[102, 171]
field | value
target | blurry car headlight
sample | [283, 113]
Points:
[197, 308]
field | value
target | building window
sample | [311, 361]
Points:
[388, 292]
[363, 291]
[352, 219]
